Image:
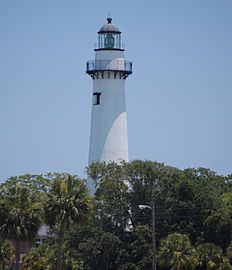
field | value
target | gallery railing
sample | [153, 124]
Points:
[109, 65]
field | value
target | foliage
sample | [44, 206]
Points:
[229, 252]
[139, 251]
[101, 251]
[191, 201]
[111, 196]
[44, 257]
[20, 216]
[193, 210]
[209, 256]
[40, 258]
[67, 203]
[37, 183]
[7, 256]
[177, 252]
[187, 201]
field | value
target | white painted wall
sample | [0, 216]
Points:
[108, 136]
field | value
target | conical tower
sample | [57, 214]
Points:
[109, 70]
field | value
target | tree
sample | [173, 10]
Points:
[176, 252]
[44, 257]
[111, 197]
[129, 266]
[6, 254]
[20, 215]
[67, 203]
[152, 181]
[101, 251]
[38, 183]
[229, 252]
[139, 249]
[189, 201]
[209, 257]
[40, 258]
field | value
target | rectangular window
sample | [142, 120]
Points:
[96, 98]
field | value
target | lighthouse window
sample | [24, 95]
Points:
[96, 98]
[109, 41]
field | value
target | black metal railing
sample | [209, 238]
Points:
[98, 46]
[109, 65]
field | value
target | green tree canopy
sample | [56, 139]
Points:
[67, 203]
[20, 215]
[177, 253]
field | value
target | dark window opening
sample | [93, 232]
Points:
[96, 98]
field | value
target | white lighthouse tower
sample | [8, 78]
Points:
[109, 70]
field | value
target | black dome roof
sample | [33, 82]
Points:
[109, 27]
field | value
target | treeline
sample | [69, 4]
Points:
[193, 210]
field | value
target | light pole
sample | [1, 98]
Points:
[152, 208]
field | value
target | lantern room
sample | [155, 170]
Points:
[109, 37]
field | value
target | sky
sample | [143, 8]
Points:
[179, 97]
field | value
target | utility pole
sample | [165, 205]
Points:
[152, 208]
[153, 237]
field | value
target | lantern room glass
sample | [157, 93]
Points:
[109, 41]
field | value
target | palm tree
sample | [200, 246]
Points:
[209, 257]
[20, 216]
[176, 252]
[40, 258]
[66, 203]
[6, 254]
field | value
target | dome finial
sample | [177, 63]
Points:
[109, 19]
[109, 27]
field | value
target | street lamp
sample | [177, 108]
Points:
[152, 208]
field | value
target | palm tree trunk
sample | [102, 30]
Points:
[59, 263]
[17, 254]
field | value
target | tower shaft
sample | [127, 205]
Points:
[108, 136]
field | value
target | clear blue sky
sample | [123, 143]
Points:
[179, 98]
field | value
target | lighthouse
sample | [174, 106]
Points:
[109, 70]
